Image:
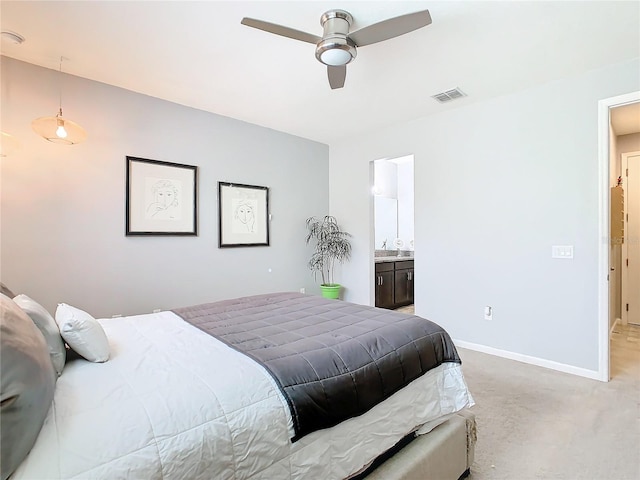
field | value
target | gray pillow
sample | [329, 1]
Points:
[49, 328]
[5, 290]
[27, 382]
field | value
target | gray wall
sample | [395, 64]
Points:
[497, 183]
[63, 207]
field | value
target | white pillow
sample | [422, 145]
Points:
[82, 333]
[47, 325]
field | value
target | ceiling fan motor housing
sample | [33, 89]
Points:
[336, 48]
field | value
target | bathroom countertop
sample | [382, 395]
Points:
[391, 258]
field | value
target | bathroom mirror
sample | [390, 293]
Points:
[386, 222]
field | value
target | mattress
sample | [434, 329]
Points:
[175, 402]
[331, 360]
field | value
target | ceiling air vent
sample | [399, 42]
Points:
[449, 95]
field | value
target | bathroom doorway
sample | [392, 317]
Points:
[393, 203]
[618, 133]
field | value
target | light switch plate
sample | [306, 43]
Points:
[562, 251]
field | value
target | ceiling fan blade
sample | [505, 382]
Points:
[393, 27]
[336, 76]
[280, 30]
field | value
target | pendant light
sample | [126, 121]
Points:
[59, 129]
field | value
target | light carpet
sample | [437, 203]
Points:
[536, 423]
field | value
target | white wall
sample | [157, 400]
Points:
[497, 183]
[625, 144]
[63, 207]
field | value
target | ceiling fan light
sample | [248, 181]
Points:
[335, 57]
[336, 51]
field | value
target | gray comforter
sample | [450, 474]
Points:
[333, 360]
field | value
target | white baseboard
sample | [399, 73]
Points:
[616, 322]
[540, 362]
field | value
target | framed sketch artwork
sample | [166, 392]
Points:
[243, 215]
[161, 198]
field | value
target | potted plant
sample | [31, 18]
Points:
[331, 245]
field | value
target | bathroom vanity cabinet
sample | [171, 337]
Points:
[394, 283]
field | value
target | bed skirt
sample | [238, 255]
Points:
[446, 453]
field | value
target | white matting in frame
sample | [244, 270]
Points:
[243, 215]
[161, 198]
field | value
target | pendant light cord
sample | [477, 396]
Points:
[60, 85]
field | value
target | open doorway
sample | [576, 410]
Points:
[619, 133]
[630, 261]
[393, 204]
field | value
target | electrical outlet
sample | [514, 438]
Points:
[488, 313]
[303, 290]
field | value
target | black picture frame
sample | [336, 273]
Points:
[243, 215]
[161, 198]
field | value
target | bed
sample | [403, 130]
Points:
[175, 401]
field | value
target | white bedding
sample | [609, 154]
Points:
[175, 403]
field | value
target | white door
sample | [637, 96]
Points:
[631, 245]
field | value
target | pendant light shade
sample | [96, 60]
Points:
[8, 144]
[59, 130]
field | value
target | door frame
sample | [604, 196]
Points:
[625, 245]
[372, 218]
[604, 219]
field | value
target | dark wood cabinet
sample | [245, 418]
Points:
[394, 284]
[384, 284]
[403, 283]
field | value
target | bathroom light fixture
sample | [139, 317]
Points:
[8, 144]
[59, 129]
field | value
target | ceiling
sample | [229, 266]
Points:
[198, 54]
[626, 119]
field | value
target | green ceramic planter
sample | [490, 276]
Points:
[331, 291]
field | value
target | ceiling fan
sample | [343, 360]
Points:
[337, 46]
